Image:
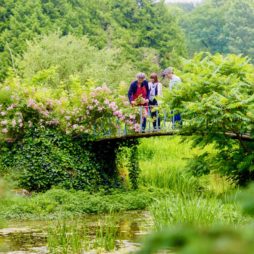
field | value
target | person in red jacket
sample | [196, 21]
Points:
[138, 94]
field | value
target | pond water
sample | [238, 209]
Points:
[27, 237]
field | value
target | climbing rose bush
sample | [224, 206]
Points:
[19, 113]
[94, 112]
[99, 112]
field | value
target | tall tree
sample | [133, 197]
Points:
[221, 26]
[136, 27]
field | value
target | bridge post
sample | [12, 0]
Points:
[141, 118]
[173, 120]
[165, 119]
[157, 120]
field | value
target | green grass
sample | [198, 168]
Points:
[195, 211]
[74, 237]
[106, 234]
[64, 238]
[192, 200]
[163, 164]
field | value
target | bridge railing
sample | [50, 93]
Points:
[158, 119]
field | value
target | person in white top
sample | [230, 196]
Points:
[173, 81]
[155, 89]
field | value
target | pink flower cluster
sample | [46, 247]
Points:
[136, 127]
[100, 90]
[32, 104]
[11, 124]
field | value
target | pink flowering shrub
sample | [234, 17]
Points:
[15, 118]
[97, 112]
[20, 112]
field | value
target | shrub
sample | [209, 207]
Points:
[54, 60]
[216, 99]
[51, 131]
[63, 203]
[47, 157]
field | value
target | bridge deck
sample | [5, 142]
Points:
[244, 137]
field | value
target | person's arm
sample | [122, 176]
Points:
[130, 92]
[160, 89]
[147, 91]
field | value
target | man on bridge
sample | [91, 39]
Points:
[173, 81]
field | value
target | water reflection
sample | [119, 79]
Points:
[30, 236]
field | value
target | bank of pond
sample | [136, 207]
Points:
[172, 210]
[61, 221]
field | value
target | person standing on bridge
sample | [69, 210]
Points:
[155, 88]
[173, 81]
[138, 95]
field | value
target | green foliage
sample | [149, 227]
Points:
[56, 61]
[134, 166]
[163, 163]
[216, 99]
[112, 153]
[47, 127]
[138, 31]
[245, 199]
[189, 240]
[194, 210]
[221, 26]
[46, 158]
[201, 164]
[57, 203]
[191, 225]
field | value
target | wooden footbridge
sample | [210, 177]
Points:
[163, 124]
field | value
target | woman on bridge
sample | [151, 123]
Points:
[138, 95]
[155, 88]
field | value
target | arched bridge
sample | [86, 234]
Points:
[159, 124]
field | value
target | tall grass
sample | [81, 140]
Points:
[195, 211]
[66, 238]
[106, 234]
[163, 164]
[74, 237]
[192, 200]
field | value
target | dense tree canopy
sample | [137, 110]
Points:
[221, 26]
[140, 28]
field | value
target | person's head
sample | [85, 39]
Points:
[141, 77]
[154, 77]
[168, 73]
